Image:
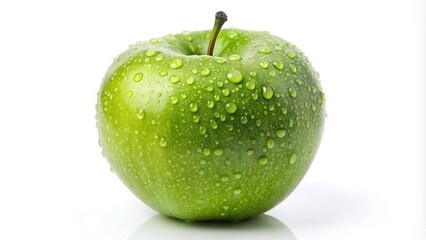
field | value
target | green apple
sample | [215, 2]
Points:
[211, 134]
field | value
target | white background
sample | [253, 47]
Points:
[367, 181]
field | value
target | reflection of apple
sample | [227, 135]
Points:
[222, 137]
[261, 227]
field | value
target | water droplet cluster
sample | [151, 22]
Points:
[197, 116]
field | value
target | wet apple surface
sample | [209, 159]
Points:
[221, 137]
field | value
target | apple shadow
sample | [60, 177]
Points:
[323, 206]
[260, 227]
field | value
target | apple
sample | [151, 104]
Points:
[211, 125]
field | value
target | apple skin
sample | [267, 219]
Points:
[221, 138]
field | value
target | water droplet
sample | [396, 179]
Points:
[188, 38]
[258, 122]
[203, 161]
[209, 88]
[205, 71]
[158, 58]
[280, 133]
[234, 76]
[237, 191]
[220, 60]
[267, 92]
[206, 151]
[272, 74]
[210, 104]
[163, 142]
[232, 34]
[225, 178]
[213, 124]
[154, 40]
[138, 77]
[290, 53]
[141, 114]
[193, 107]
[234, 57]
[313, 108]
[284, 110]
[292, 92]
[237, 175]
[163, 72]
[262, 160]
[206, 57]
[299, 82]
[174, 79]
[290, 122]
[216, 97]
[250, 85]
[225, 92]
[202, 129]
[250, 152]
[152, 52]
[293, 68]
[226, 207]
[293, 158]
[129, 94]
[255, 96]
[278, 65]
[173, 100]
[218, 152]
[176, 63]
[263, 65]
[322, 94]
[231, 107]
[264, 50]
[270, 143]
[195, 118]
[190, 80]
[243, 120]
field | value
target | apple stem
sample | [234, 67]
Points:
[221, 18]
